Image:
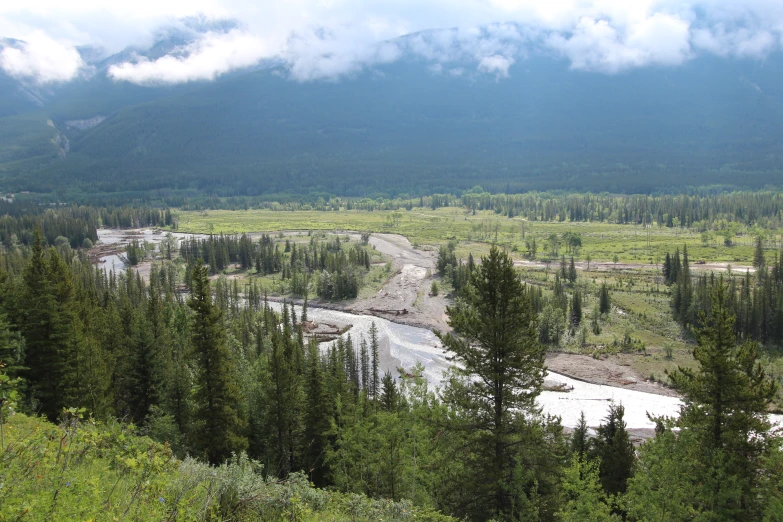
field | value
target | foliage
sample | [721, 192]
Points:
[715, 466]
[584, 499]
[85, 469]
[500, 374]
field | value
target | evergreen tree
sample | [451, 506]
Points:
[374, 346]
[725, 402]
[316, 419]
[759, 261]
[219, 429]
[576, 308]
[389, 395]
[580, 439]
[584, 501]
[572, 272]
[604, 301]
[496, 342]
[46, 332]
[613, 447]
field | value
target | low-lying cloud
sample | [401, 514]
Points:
[329, 40]
[41, 59]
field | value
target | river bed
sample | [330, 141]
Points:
[404, 346]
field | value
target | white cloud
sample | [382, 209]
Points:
[496, 64]
[598, 45]
[41, 59]
[327, 39]
[206, 59]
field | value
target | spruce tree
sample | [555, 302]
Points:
[46, 334]
[580, 439]
[613, 447]
[316, 418]
[389, 394]
[759, 262]
[501, 368]
[572, 272]
[576, 308]
[604, 301]
[725, 401]
[219, 429]
[375, 382]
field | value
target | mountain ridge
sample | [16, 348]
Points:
[403, 128]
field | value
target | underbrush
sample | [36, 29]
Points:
[86, 470]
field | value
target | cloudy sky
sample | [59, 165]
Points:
[329, 39]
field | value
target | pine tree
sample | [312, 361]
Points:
[389, 395]
[604, 301]
[725, 402]
[316, 418]
[667, 269]
[759, 261]
[364, 365]
[219, 429]
[496, 342]
[46, 334]
[576, 308]
[375, 382]
[613, 447]
[572, 272]
[580, 439]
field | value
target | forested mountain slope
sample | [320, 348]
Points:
[404, 128]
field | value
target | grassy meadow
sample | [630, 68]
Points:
[600, 241]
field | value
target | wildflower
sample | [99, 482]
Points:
[67, 484]
[161, 500]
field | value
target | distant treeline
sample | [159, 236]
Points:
[763, 208]
[74, 223]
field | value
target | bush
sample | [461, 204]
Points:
[87, 243]
[434, 289]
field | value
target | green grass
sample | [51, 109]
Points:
[601, 241]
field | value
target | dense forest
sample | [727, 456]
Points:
[216, 376]
[401, 128]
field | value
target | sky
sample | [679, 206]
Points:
[326, 40]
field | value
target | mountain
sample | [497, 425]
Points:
[402, 128]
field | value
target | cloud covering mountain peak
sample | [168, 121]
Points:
[327, 40]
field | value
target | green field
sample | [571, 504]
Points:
[600, 241]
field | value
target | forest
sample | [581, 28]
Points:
[238, 384]
[191, 396]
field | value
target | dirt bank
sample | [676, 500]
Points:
[603, 371]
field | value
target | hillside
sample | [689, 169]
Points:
[403, 128]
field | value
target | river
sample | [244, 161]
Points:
[402, 347]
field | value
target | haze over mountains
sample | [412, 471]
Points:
[406, 125]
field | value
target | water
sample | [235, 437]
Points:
[404, 346]
[122, 237]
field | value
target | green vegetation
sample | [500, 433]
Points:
[224, 374]
[601, 241]
[88, 470]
